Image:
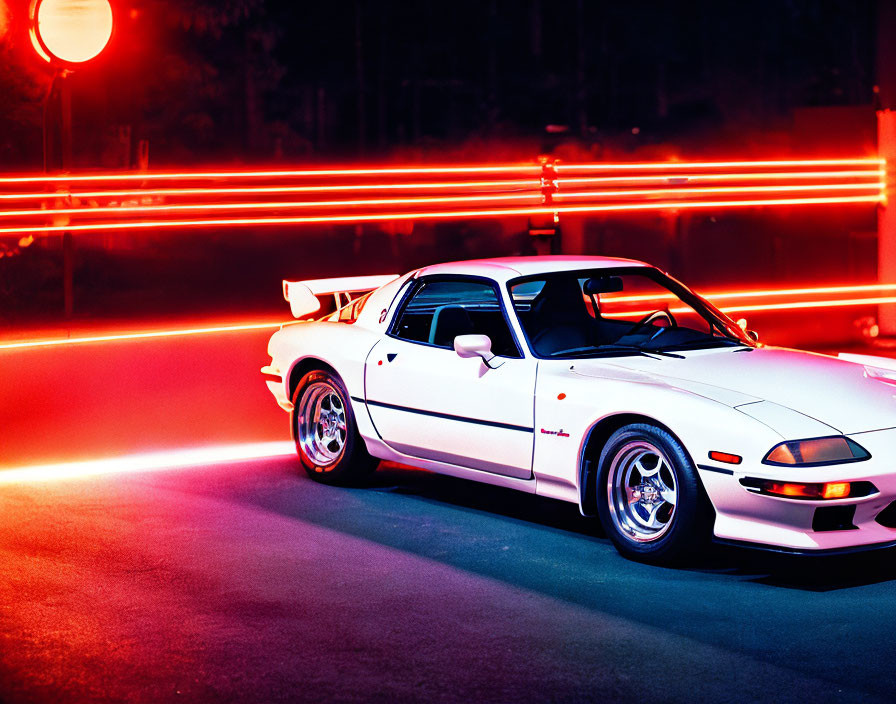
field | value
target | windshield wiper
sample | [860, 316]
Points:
[707, 343]
[653, 354]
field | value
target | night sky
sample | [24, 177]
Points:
[254, 81]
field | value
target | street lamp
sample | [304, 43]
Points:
[67, 34]
[70, 32]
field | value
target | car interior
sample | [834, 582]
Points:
[438, 312]
[563, 315]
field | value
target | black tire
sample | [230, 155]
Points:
[648, 530]
[344, 460]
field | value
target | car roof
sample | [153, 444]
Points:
[504, 268]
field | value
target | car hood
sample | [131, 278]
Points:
[833, 391]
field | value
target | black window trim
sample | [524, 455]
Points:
[397, 303]
[674, 285]
[420, 281]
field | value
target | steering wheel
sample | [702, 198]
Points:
[649, 318]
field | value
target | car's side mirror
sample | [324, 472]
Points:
[476, 346]
[752, 334]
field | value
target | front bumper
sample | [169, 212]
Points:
[787, 524]
[273, 379]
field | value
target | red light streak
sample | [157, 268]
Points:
[789, 305]
[802, 291]
[153, 461]
[721, 164]
[289, 205]
[226, 191]
[448, 185]
[723, 189]
[194, 175]
[385, 217]
[267, 205]
[816, 290]
[747, 176]
[769, 307]
[143, 335]
[420, 170]
[243, 327]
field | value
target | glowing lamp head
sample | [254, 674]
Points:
[70, 32]
[4, 19]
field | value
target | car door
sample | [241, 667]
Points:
[428, 402]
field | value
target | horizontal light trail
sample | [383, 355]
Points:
[768, 307]
[802, 305]
[148, 462]
[685, 192]
[745, 176]
[535, 189]
[281, 205]
[271, 190]
[819, 290]
[379, 202]
[214, 329]
[721, 164]
[535, 169]
[386, 217]
[718, 296]
[663, 179]
[292, 173]
[145, 335]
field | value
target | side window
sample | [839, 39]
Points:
[438, 311]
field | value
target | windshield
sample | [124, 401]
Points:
[627, 310]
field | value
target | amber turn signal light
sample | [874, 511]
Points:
[814, 491]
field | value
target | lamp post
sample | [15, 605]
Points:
[66, 34]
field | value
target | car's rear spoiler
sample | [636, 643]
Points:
[305, 296]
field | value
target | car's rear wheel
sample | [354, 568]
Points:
[649, 497]
[327, 439]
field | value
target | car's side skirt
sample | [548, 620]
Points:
[379, 449]
[445, 456]
[461, 461]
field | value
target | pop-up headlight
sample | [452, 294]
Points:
[816, 452]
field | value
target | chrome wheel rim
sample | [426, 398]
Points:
[322, 428]
[642, 489]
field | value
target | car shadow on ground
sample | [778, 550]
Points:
[802, 572]
[466, 494]
[816, 574]
[525, 539]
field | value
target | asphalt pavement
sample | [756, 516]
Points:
[248, 582]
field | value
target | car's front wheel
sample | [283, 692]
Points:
[327, 439]
[650, 501]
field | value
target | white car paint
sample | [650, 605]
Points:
[409, 375]
[534, 416]
[303, 296]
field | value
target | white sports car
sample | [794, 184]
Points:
[603, 382]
